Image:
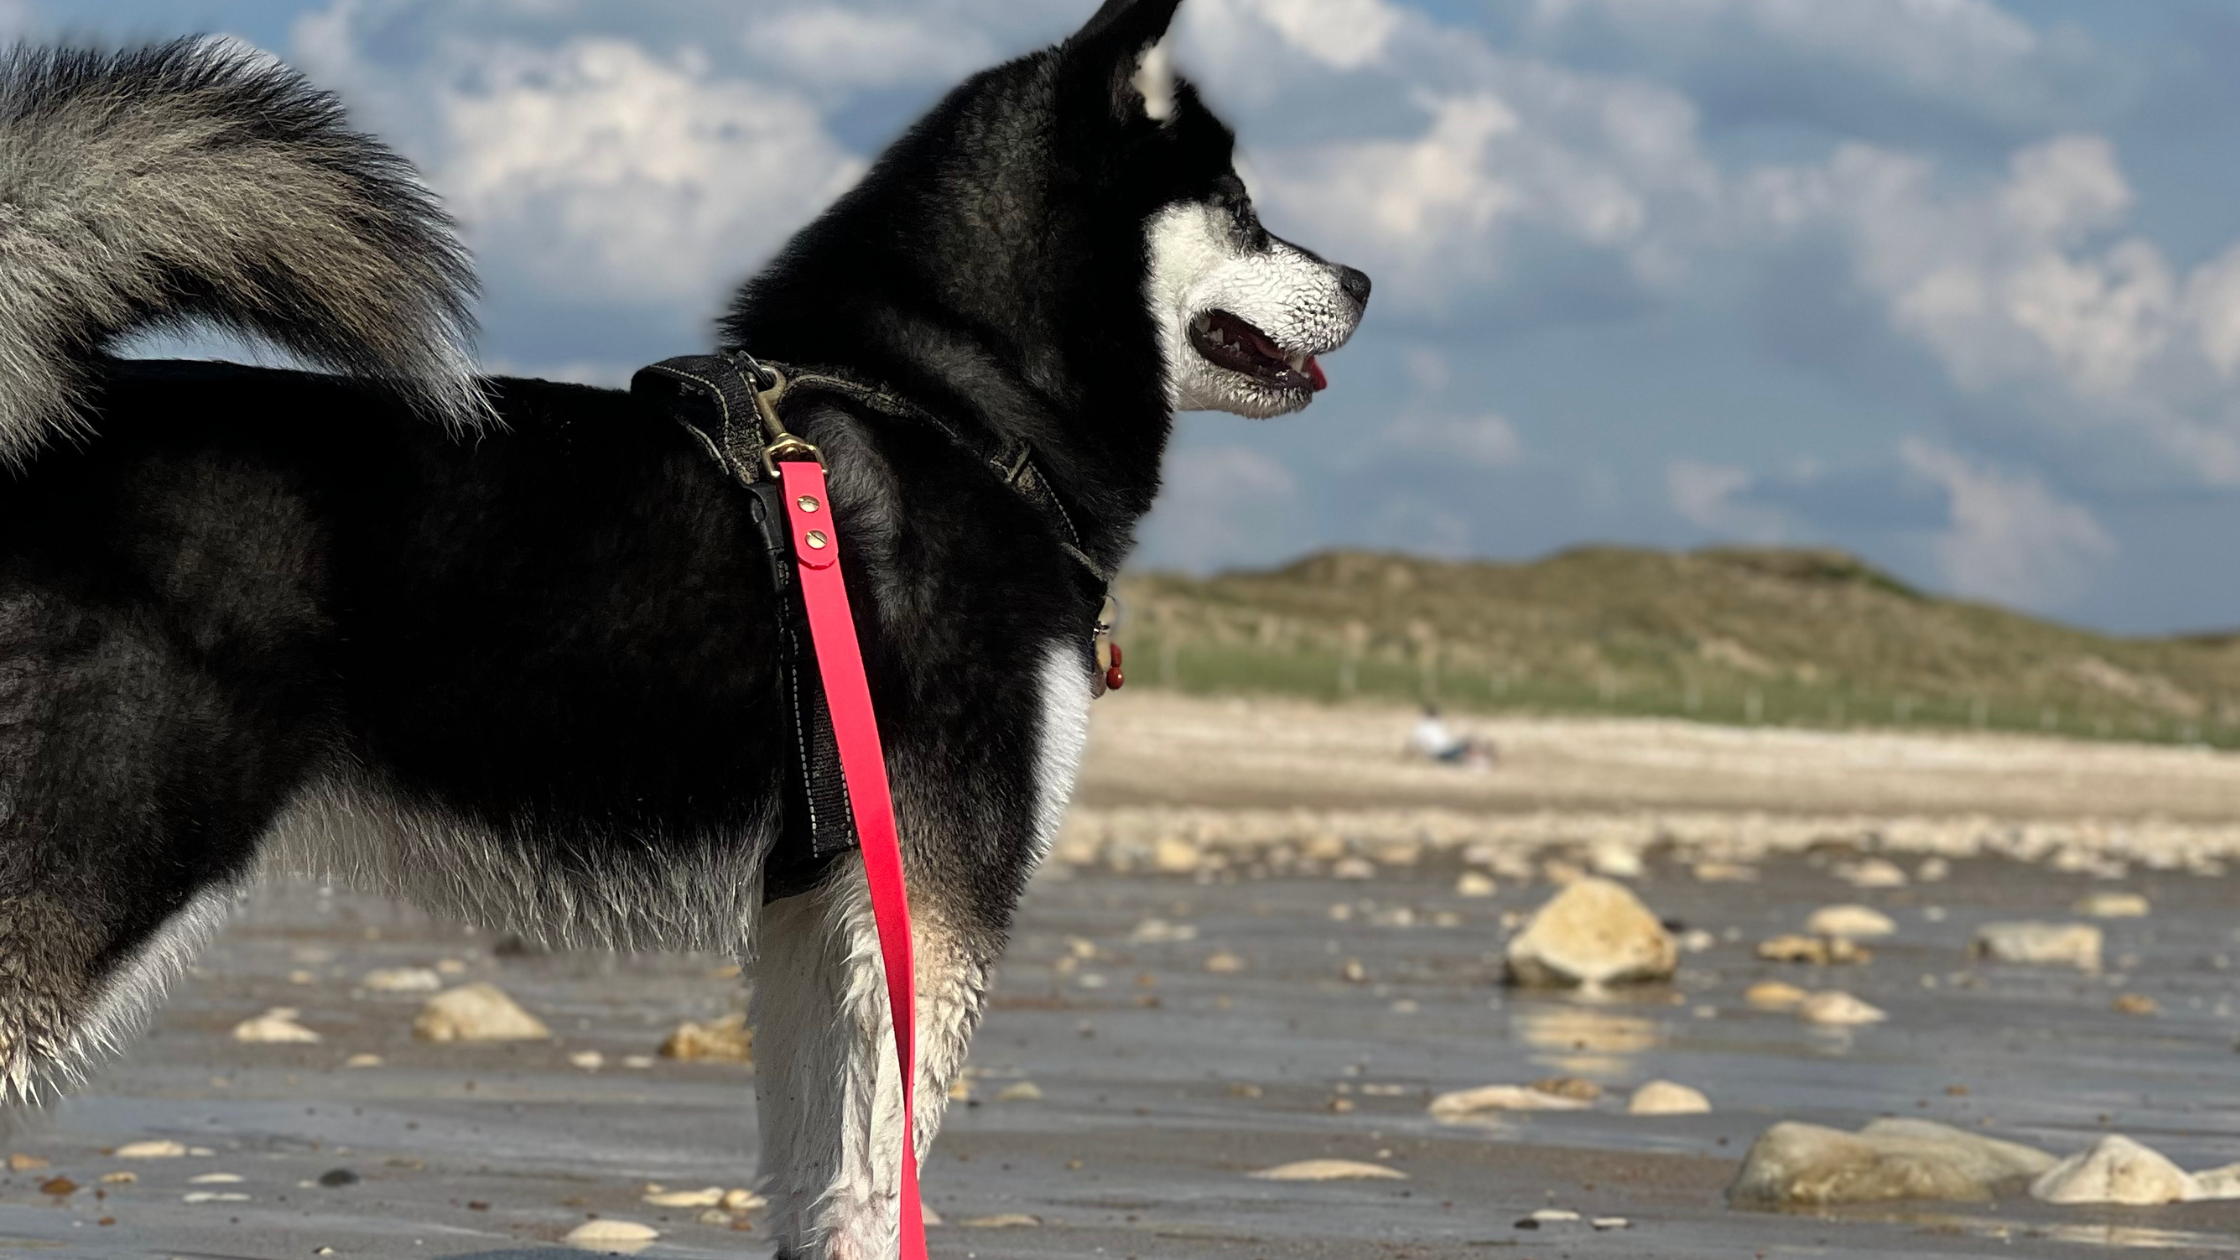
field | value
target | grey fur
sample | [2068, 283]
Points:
[201, 179]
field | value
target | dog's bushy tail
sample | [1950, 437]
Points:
[203, 180]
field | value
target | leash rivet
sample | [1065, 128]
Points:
[807, 503]
[817, 540]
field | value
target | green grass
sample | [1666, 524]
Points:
[1793, 638]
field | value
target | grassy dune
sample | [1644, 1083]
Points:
[1789, 637]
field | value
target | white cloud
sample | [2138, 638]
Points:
[838, 48]
[1483, 441]
[609, 172]
[1953, 45]
[1708, 496]
[1607, 163]
[1218, 504]
[2010, 538]
[2025, 287]
[1342, 34]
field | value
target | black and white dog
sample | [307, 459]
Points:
[519, 666]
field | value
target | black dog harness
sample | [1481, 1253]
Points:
[729, 403]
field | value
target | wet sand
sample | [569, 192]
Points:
[1163, 1084]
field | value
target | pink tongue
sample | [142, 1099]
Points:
[1314, 373]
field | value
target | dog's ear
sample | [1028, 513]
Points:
[1120, 55]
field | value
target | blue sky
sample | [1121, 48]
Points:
[1953, 284]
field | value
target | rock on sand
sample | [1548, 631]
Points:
[1839, 1010]
[727, 1040]
[1329, 1170]
[1463, 1103]
[477, 1012]
[1855, 922]
[402, 980]
[2057, 944]
[1594, 932]
[1774, 994]
[1666, 1098]
[2112, 905]
[276, 1025]
[627, 1237]
[2115, 1170]
[1807, 1164]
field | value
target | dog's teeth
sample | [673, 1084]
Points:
[1218, 339]
[1298, 362]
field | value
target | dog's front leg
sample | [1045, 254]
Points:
[825, 1070]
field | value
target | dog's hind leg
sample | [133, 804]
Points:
[825, 1071]
[135, 784]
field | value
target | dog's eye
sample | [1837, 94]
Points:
[1247, 220]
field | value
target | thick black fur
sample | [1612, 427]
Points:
[558, 635]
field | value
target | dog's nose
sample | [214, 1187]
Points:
[1355, 283]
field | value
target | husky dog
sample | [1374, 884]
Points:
[506, 647]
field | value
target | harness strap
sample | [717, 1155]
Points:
[1011, 460]
[832, 630]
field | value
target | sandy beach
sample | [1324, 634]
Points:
[1268, 937]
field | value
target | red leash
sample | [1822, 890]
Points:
[855, 728]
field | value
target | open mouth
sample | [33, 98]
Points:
[1226, 341]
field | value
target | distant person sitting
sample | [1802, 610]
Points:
[1433, 739]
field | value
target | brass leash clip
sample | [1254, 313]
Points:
[782, 444]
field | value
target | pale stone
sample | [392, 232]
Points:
[1475, 884]
[1000, 1220]
[588, 1060]
[709, 1197]
[1616, 859]
[1161, 932]
[1849, 921]
[1774, 994]
[1224, 963]
[402, 980]
[2112, 905]
[1594, 932]
[213, 1196]
[1174, 855]
[1807, 1164]
[1020, 1091]
[1399, 852]
[216, 1179]
[743, 1201]
[363, 1061]
[2052, 944]
[727, 1040]
[1666, 1098]
[1838, 1009]
[1872, 873]
[627, 1237]
[1818, 950]
[276, 1025]
[1724, 873]
[151, 1150]
[476, 1012]
[1461, 1103]
[2216, 1183]
[1353, 868]
[1329, 1170]
[2115, 1170]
